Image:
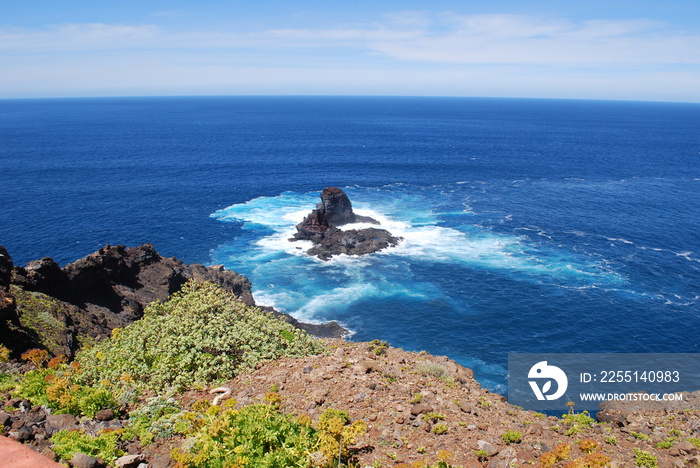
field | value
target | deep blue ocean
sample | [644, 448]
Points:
[529, 225]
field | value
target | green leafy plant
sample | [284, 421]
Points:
[8, 382]
[262, 436]
[200, 335]
[611, 440]
[104, 446]
[378, 347]
[79, 400]
[639, 436]
[485, 403]
[695, 441]
[33, 385]
[440, 429]
[433, 416]
[644, 458]
[156, 418]
[512, 437]
[390, 378]
[55, 387]
[665, 444]
[257, 435]
[336, 434]
[577, 422]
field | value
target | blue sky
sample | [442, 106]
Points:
[643, 50]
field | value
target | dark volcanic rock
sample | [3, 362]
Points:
[352, 242]
[338, 209]
[321, 227]
[12, 335]
[5, 268]
[7, 301]
[88, 298]
[61, 309]
[334, 210]
[60, 422]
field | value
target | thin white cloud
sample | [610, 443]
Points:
[72, 37]
[400, 53]
[511, 39]
[410, 36]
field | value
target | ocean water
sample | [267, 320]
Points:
[528, 225]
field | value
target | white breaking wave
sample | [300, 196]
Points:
[312, 290]
[423, 239]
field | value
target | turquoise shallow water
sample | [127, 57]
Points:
[529, 225]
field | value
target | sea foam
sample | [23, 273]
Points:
[310, 289]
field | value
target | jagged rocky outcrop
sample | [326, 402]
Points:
[60, 309]
[321, 227]
[7, 301]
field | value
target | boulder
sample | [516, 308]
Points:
[80, 460]
[130, 461]
[60, 422]
[104, 415]
[487, 447]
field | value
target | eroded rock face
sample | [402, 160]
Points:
[321, 227]
[338, 209]
[122, 280]
[60, 309]
[90, 297]
[7, 302]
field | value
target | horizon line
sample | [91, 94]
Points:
[390, 96]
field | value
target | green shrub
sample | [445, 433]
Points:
[665, 444]
[8, 382]
[104, 446]
[378, 347]
[639, 436]
[201, 335]
[433, 416]
[512, 437]
[577, 422]
[695, 441]
[440, 429]
[262, 436]
[55, 388]
[33, 385]
[644, 458]
[64, 396]
[155, 419]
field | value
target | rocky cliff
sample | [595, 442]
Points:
[321, 227]
[44, 305]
